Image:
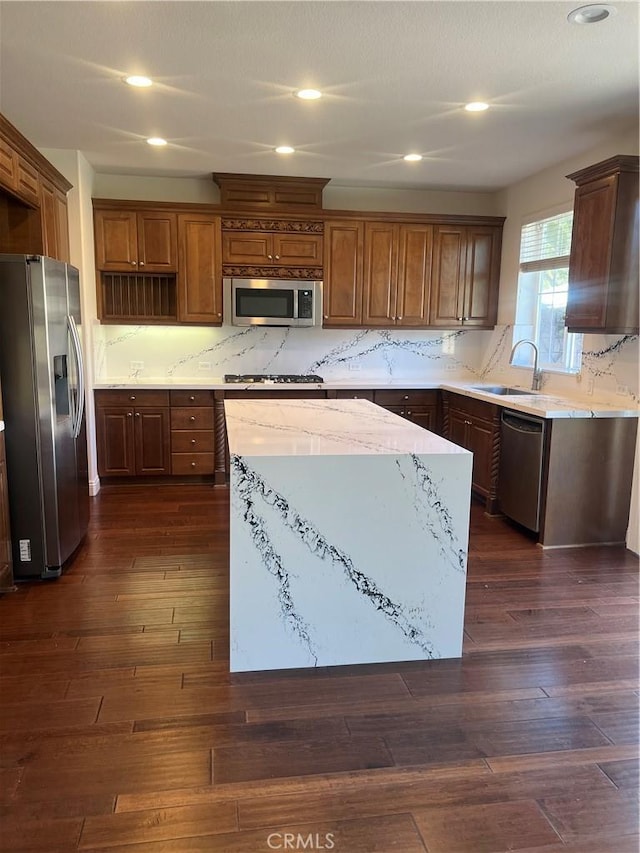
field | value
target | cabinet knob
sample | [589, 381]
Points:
[219, 315]
[192, 418]
[193, 441]
[193, 464]
[134, 263]
[141, 263]
[325, 316]
[137, 414]
[192, 398]
[129, 414]
[398, 318]
[132, 397]
[459, 319]
[277, 257]
[355, 397]
[409, 413]
[270, 257]
[405, 397]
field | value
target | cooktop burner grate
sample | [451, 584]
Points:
[248, 378]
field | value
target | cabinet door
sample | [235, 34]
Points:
[297, 249]
[5, 536]
[343, 250]
[114, 439]
[199, 269]
[152, 441]
[8, 165]
[591, 239]
[415, 248]
[116, 235]
[458, 428]
[157, 242]
[480, 443]
[253, 248]
[480, 302]
[28, 182]
[447, 283]
[380, 274]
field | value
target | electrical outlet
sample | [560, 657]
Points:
[449, 367]
[622, 390]
[136, 365]
[353, 365]
[204, 365]
[589, 388]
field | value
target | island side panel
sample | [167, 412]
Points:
[347, 559]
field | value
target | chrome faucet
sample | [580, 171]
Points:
[537, 373]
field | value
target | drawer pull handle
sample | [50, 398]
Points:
[132, 398]
[193, 464]
[193, 441]
[192, 418]
[192, 398]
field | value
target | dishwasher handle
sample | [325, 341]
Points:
[522, 423]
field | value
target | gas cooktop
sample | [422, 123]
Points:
[272, 377]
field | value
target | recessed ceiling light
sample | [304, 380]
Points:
[412, 158]
[156, 140]
[308, 94]
[476, 107]
[591, 14]
[284, 149]
[138, 81]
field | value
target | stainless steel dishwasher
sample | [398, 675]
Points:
[520, 477]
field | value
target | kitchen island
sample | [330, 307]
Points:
[349, 531]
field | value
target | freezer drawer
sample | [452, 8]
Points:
[520, 479]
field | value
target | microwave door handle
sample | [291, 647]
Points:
[295, 303]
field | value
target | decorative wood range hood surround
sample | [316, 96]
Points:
[269, 192]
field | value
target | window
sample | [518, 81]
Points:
[543, 286]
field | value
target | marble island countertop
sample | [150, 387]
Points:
[325, 428]
[534, 403]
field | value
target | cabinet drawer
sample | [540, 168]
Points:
[193, 417]
[192, 398]
[192, 441]
[399, 397]
[354, 395]
[470, 406]
[131, 398]
[192, 463]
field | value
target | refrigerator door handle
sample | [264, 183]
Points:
[75, 337]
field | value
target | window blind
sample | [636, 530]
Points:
[545, 244]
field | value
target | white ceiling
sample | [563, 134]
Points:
[395, 74]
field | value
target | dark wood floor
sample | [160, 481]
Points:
[122, 729]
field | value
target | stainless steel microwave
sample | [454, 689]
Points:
[272, 302]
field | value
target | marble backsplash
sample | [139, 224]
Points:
[609, 362]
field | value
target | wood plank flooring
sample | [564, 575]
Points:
[122, 730]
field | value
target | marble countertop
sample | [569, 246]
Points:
[325, 428]
[536, 403]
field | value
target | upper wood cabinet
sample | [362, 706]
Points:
[199, 269]
[343, 262]
[130, 241]
[270, 192]
[397, 273]
[271, 249]
[465, 278]
[33, 199]
[603, 264]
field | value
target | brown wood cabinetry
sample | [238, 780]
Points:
[33, 199]
[262, 248]
[465, 277]
[475, 425]
[269, 192]
[603, 264]
[397, 274]
[143, 241]
[132, 433]
[199, 269]
[420, 406]
[192, 434]
[343, 262]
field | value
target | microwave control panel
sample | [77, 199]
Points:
[305, 304]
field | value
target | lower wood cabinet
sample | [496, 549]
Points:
[192, 434]
[6, 569]
[132, 433]
[475, 425]
[420, 406]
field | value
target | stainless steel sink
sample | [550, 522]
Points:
[501, 389]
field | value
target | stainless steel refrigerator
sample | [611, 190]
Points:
[43, 393]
